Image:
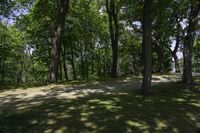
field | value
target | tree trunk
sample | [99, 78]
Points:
[61, 73]
[3, 71]
[177, 68]
[188, 43]
[147, 48]
[114, 34]
[56, 48]
[65, 70]
[73, 63]
[64, 63]
[86, 64]
[106, 61]
[4, 60]
[159, 52]
[92, 62]
[161, 68]
[82, 63]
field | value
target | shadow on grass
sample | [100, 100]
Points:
[23, 86]
[172, 108]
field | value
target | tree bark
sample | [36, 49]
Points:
[73, 63]
[56, 48]
[159, 51]
[3, 60]
[174, 53]
[3, 71]
[61, 72]
[161, 68]
[64, 63]
[114, 34]
[65, 70]
[92, 62]
[82, 63]
[147, 47]
[188, 43]
[177, 68]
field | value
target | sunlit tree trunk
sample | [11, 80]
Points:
[56, 48]
[174, 53]
[64, 63]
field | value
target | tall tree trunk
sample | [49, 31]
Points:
[159, 52]
[188, 43]
[73, 63]
[147, 47]
[177, 68]
[4, 60]
[64, 63]
[87, 69]
[86, 64]
[114, 34]
[33, 69]
[92, 62]
[65, 70]
[3, 71]
[106, 61]
[174, 52]
[161, 68]
[82, 63]
[56, 48]
[61, 72]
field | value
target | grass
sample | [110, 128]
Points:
[4, 87]
[172, 108]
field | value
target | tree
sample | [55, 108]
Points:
[94, 40]
[196, 57]
[56, 48]
[188, 42]
[113, 11]
[147, 47]
[178, 35]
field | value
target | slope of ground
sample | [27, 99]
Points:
[112, 106]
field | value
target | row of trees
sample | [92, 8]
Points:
[68, 40]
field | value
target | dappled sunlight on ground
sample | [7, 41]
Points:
[100, 107]
[80, 90]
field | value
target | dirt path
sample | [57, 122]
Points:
[37, 94]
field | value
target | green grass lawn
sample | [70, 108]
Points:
[173, 107]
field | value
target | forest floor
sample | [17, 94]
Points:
[102, 106]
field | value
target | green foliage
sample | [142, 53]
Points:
[86, 47]
[12, 53]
